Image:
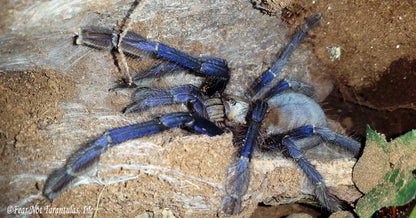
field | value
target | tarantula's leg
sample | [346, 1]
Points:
[327, 200]
[326, 135]
[159, 70]
[329, 135]
[238, 173]
[146, 97]
[137, 45]
[289, 140]
[97, 37]
[294, 85]
[301, 32]
[212, 84]
[83, 160]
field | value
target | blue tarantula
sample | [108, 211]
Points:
[292, 119]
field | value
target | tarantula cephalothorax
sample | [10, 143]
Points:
[291, 118]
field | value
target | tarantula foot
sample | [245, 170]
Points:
[231, 205]
[329, 201]
[122, 84]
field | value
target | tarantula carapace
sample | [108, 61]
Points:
[282, 111]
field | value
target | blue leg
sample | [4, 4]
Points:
[135, 45]
[212, 84]
[238, 176]
[304, 163]
[287, 84]
[279, 88]
[295, 134]
[82, 161]
[326, 135]
[214, 69]
[159, 70]
[289, 140]
[209, 66]
[301, 32]
[327, 200]
[146, 97]
[329, 135]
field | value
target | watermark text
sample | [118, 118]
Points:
[36, 209]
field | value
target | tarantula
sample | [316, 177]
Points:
[294, 119]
